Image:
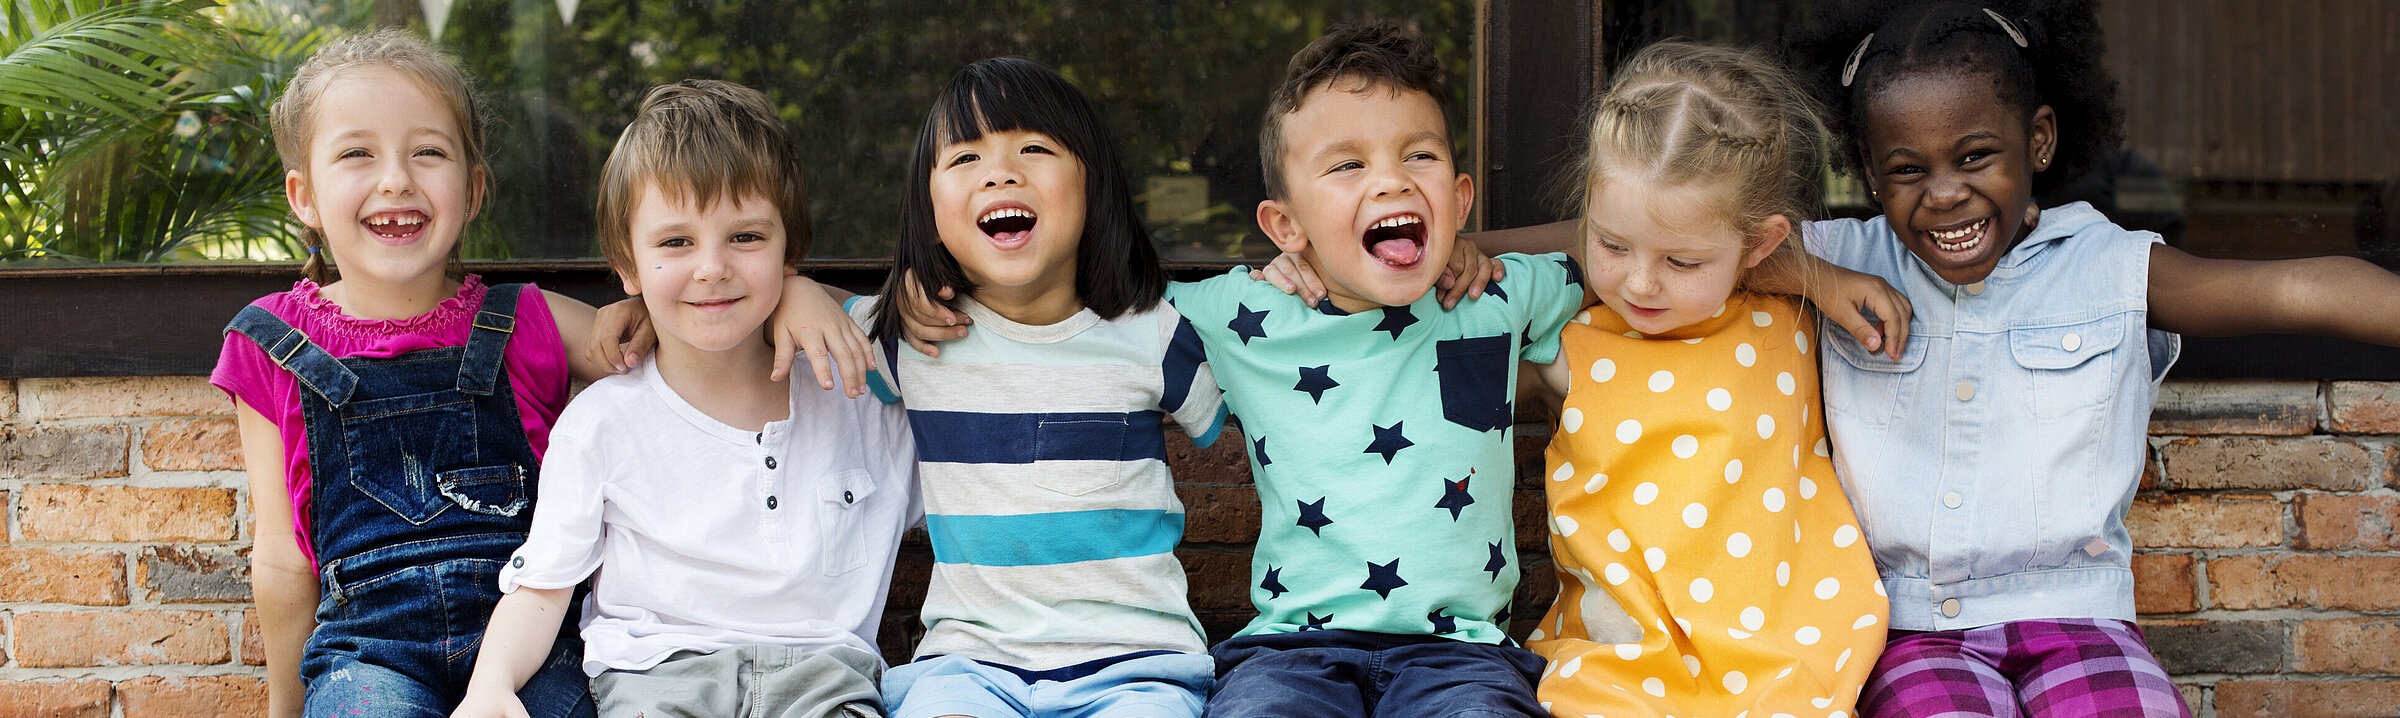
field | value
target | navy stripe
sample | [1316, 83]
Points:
[1054, 538]
[1183, 360]
[978, 438]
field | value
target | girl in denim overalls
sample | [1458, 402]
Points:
[392, 421]
[1992, 461]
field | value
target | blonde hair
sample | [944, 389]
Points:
[1681, 114]
[695, 139]
[294, 116]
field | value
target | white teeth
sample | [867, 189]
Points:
[381, 220]
[1949, 241]
[1004, 214]
[1405, 219]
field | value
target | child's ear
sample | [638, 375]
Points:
[1281, 227]
[2043, 137]
[1769, 234]
[1466, 198]
[295, 193]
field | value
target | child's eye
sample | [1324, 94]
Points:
[1348, 165]
[432, 152]
[1423, 156]
[675, 242]
[1681, 264]
[1976, 156]
[1612, 249]
[1037, 149]
[963, 158]
[746, 237]
[352, 152]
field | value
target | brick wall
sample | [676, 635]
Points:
[2268, 580]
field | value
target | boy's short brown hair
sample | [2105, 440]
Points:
[697, 139]
[1349, 58]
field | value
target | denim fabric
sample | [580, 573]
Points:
[1156, 684]
[1992, 464]
[424, 485]
[1347, 673]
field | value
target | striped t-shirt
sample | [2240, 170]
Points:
[1043, 464]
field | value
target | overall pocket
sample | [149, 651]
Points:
[493, 490]
[841, 502]
[1474, 380]
[399, 447]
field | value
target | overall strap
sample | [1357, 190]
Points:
[316, 369]
[487, 345]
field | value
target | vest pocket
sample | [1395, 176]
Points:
[2071, 367]
[1866, 386]
[1474, 379]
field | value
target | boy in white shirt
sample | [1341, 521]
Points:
[739, 532]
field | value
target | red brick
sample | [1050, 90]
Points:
[2348, 521]
[1532, 465]
[254, 644]
[53, 512]
[90, 578]
[2344, 583]
[186, 574]
[1219, 514]
[80, 452]
[80, 398]
[2252, 463]
[2277, 407]
[2308, 699]
[2164, 583]
[2222, 521]
[1532, 514]
[8, 399]
[82, 698]
[912, 575]
[2358, 645]
[193, 697]
[192, 445]
[53, 639]
[2193, 695]
[2152, 478]
[2364, 407]
[5, 512]
[1225, 462]
[1220, 580]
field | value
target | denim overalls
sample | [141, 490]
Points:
[424, 486]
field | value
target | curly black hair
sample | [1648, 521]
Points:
[2059, 66]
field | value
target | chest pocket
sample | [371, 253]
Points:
[1866, 386]
[842, 506]
[1096, 437]
[1474, 379]
[2072, 367]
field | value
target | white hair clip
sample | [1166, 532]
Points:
[2008, 26]
[1850, 69]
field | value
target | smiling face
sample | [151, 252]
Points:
[710, 277]
[1664, 257]
[1953, 167]
[1375, 202]
[386, 181]
[1009, 206]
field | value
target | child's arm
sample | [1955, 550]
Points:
[599, 348]
[2331, 296]
[281, 581]
[808, 319]
[1846, 297]
[523, 626]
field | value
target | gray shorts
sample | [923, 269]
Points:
[749, 682]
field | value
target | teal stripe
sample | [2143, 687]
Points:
[1055, 538]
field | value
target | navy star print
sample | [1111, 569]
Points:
[1258, 448]
[1574, 273]
[1312, 516]
[1454, 495]
[1494, 290]
[1499, 561]
[1383, 578]
[1247, 324]
[1315, 623]
[1388, 442]
[1395, 320]
[1315, 381]
[1274, 583]
[1441, 623]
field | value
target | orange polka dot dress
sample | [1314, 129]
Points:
[1709, 565]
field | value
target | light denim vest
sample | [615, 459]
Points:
[1991, 466]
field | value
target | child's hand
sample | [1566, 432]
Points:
[810, 321]
[928, 319]
[1292, 274]
[621, 333]
[489, 704]
[1847, 297]
[1467, 273]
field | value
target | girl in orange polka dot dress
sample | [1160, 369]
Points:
[1708, 561]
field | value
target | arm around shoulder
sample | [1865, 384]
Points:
[2341, 297]
[281, 579]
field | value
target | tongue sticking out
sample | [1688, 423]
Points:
[1398, 251]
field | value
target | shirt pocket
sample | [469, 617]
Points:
[1866, 386]
[2068, 368]
[1474, 380]
[1095, 440]
[843, 509]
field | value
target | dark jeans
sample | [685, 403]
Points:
[1320, 674]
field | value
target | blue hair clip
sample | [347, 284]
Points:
[313, 250]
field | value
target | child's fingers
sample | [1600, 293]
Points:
[854, 356]
[785, 346]
[1312, 287]
[1895, 323]
[925, 347]
[820, 359]
[642, 336]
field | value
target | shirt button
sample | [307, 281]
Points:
[2071, 343]
[770, 462]
[1966, 391]
[759, 438]
[770, 503]
[1953, 500]
[1975, 289]
[516, 562]
[848, 499]
[1949, 608]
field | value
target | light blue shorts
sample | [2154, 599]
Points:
[1171, 685]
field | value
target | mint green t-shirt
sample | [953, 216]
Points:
[1381, 445]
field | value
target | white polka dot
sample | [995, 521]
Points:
[1766, 426]
[1795, 456]
[1863, 622]
[1629, 651]
[1737, 633]
[1645, 493]
[1720, 312]
[1878, 586]
[1784, 383]
[1735, 682]
[1629, 431]
[1583, 317]
[1656, 557]
[1738, 545]
[1566, 525]
[1745, 354]
[1762, 318]
[1824, 448]
[1695, 515]
[1795, 531]
[1536, 636]
[1684, 624]
[1841, 660]
[1636, 335]
[1572, 665]
[1604, 370]
[1685, 446]
[1807, 635]
[1774, 499]
[1702, 590]
[1804, 414]
[1654, 687]
[1800, 339]
[1733, 471]
[1618, 541]
[1783, 573]
[1694, 340]
[1808, 488]
[1754, 618]
[1785, 673]
[1616, 574]
[1662, 380]
[1691, 665]
[1594, 484]
[1565, 470]
[1820, 702]
[1844, 536]
[1828, 588]
[1720, 399]
[1571, 419]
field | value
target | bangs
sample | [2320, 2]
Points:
[1015, 96]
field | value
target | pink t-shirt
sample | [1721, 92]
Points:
[536, 361]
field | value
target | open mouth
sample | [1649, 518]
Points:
[1962, 238]
[1007, 225]
[1398, 240]
[396, 225]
